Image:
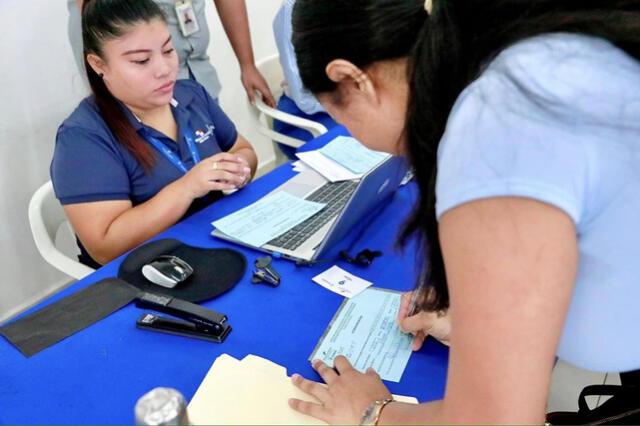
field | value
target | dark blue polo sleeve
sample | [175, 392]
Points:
[226, 132]
[86, 167]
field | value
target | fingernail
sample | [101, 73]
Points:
[246, 170]
[295, 377]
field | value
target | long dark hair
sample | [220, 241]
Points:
[446, 51]
[104, 20]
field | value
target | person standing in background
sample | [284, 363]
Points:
[292, 86]
[296, 100]
[191, 41]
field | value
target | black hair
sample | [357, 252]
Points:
[446, 50]
[104, 20]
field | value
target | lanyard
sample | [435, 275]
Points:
[171, 156]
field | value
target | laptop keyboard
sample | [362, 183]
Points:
[335, 196]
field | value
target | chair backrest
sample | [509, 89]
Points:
[46, 217]
[271, 70]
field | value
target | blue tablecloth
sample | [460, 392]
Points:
[96, 375]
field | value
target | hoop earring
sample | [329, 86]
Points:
[428, 6]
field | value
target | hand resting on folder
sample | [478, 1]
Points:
[347, 397]
[253, 390]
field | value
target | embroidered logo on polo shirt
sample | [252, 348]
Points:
[203, 135]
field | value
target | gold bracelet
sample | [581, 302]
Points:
[371, 415]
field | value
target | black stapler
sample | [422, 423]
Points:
[200, 322]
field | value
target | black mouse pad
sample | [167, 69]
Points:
[214, 270]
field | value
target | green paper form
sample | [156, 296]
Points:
[365, 331]
[267, 218]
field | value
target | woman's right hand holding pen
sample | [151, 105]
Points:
[423, 323]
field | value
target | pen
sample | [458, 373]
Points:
[418, 294]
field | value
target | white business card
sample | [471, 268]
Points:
[342, 282]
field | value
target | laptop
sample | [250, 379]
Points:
[346, 203]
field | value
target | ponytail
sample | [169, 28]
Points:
[117, 121]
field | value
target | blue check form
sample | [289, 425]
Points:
[351, 154]
[365, 331]
[267, 218]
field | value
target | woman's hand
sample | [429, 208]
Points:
[222, 171]
[423, 324]
[232, 163]
[345, 397]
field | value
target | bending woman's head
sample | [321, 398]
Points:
[128, 58]
[363, 57]
[352, 54]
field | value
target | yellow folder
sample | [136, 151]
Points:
[253, 390]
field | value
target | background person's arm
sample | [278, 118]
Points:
[233, 15]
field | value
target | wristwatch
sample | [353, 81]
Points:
[371, 415]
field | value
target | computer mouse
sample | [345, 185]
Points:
[167, 271]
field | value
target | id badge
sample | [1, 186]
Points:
[186, 18]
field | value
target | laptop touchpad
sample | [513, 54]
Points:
[298, 189]
[302, 184]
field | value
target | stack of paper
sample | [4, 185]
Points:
[343, 158]
[252, 391]
[267, 218]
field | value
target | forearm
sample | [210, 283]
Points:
[142, 222]
[400, 413]
[233, 15]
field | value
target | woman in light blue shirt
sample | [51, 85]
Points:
[522, 122]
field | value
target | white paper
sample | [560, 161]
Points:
[328, 168]
[298, 166]
[342, 282]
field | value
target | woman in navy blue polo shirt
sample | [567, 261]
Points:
[145, 150]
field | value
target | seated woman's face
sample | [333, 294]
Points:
[140, 67]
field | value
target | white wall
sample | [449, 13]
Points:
[40, 86]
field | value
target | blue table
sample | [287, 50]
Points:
[96, 375]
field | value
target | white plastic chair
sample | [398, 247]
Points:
[46, 217]
[271, 69]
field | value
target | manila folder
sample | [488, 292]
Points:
[251, 391]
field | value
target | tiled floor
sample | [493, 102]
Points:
[567, 382]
